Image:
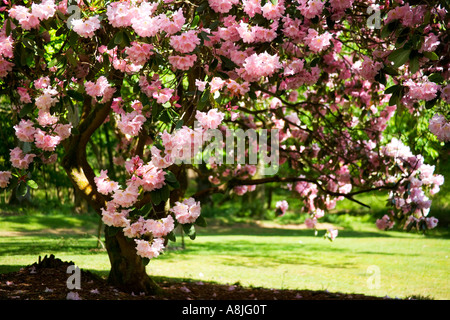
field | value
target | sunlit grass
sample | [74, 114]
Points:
[410, 264]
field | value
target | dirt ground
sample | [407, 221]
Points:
[48, 281]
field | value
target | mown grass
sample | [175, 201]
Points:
[275, 257]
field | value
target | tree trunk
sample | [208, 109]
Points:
[127, 268]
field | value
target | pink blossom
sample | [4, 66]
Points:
[45, 10]
[135, 229]
[45, 141]
[332, 234]
[222, 6]
[126, 198]
[210, 120]
[86, 28]
[261, 65]
[311, 223]
[6, 46]
[98, 88]
[183, 62]
[24, 95]
[120, 14]
[45, 101]
[252, 7]
[440, 127]
[272, 11]
[139, 53]
[431, 222]
[26, 19]
[147, 250]
[163, 95]
[316, 42]
[310, 8]
[240, 190]
[282, 206]
[5, 176]
[340, 5]
[45, 118]
[152, 177]
[187, 211]
[430, 43]
[63, 130]
[201, 85]
[104, 184]
[115, 218]
[131, 123]
[159, 228]
[19, 160]
[384, 223]
[25, 130]
[426, 90]
[186, 42]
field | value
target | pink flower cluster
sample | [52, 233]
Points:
[385, 223]
[210, 120]
[310, 8]
[20, 160]
[25, 130]
[86, 28]
[104, 184]
[440, 127]
[145, 249]
[46, 142]
[425, 90]
[282, 206]
[183, 62]
[186, 42]
[5, 176]
[100, 88]
[139, 53]
[29, 19]
[260, 65]
[131, 123]
[316, 42]
[222, 6]
[187, 211]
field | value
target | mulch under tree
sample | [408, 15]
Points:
[47, 280]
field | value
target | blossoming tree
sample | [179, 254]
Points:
[326, 76]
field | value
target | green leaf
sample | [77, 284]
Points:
[21, 190]
[393, 89]
[75, 95]
[165, 193]
[171, 180]
[26, 109]
[431, 55]
[228, 64]
[195, 21]
[399, 57]
[155, 195]
[189, 229]
[8, 27]
[32, 184]
[118, 38]
[202, 7]
[436, 78]
[172, 237]
[201, 221]
[414, 64]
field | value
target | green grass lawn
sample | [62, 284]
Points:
[409, 264]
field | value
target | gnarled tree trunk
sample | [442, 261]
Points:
[127, 268]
